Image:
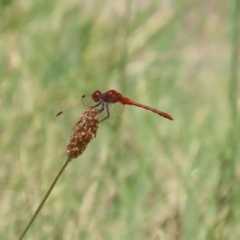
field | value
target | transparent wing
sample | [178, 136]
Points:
[87, 101]
[106, 111]
[70, 115]
[114, 109]
[75, 111]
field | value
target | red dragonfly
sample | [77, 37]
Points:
[111, 104]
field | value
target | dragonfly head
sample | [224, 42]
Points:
[96, 96]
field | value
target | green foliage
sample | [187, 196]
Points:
[143, 177]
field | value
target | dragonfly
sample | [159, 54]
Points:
[111, 104]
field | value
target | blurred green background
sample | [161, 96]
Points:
[143, 177]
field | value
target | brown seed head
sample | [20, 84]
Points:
[84, 131]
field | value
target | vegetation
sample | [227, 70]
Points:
[143, 177]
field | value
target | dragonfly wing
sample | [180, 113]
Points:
[114, 110]
[87, 101]
[69, 116]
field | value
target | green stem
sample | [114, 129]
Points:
[44, 199]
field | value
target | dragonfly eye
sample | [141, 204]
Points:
[96, 96]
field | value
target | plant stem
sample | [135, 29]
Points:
[44, 199]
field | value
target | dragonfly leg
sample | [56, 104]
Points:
[102, 107]
[108, 114]
[98, 104]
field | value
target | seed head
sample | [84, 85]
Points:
[84, 131]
